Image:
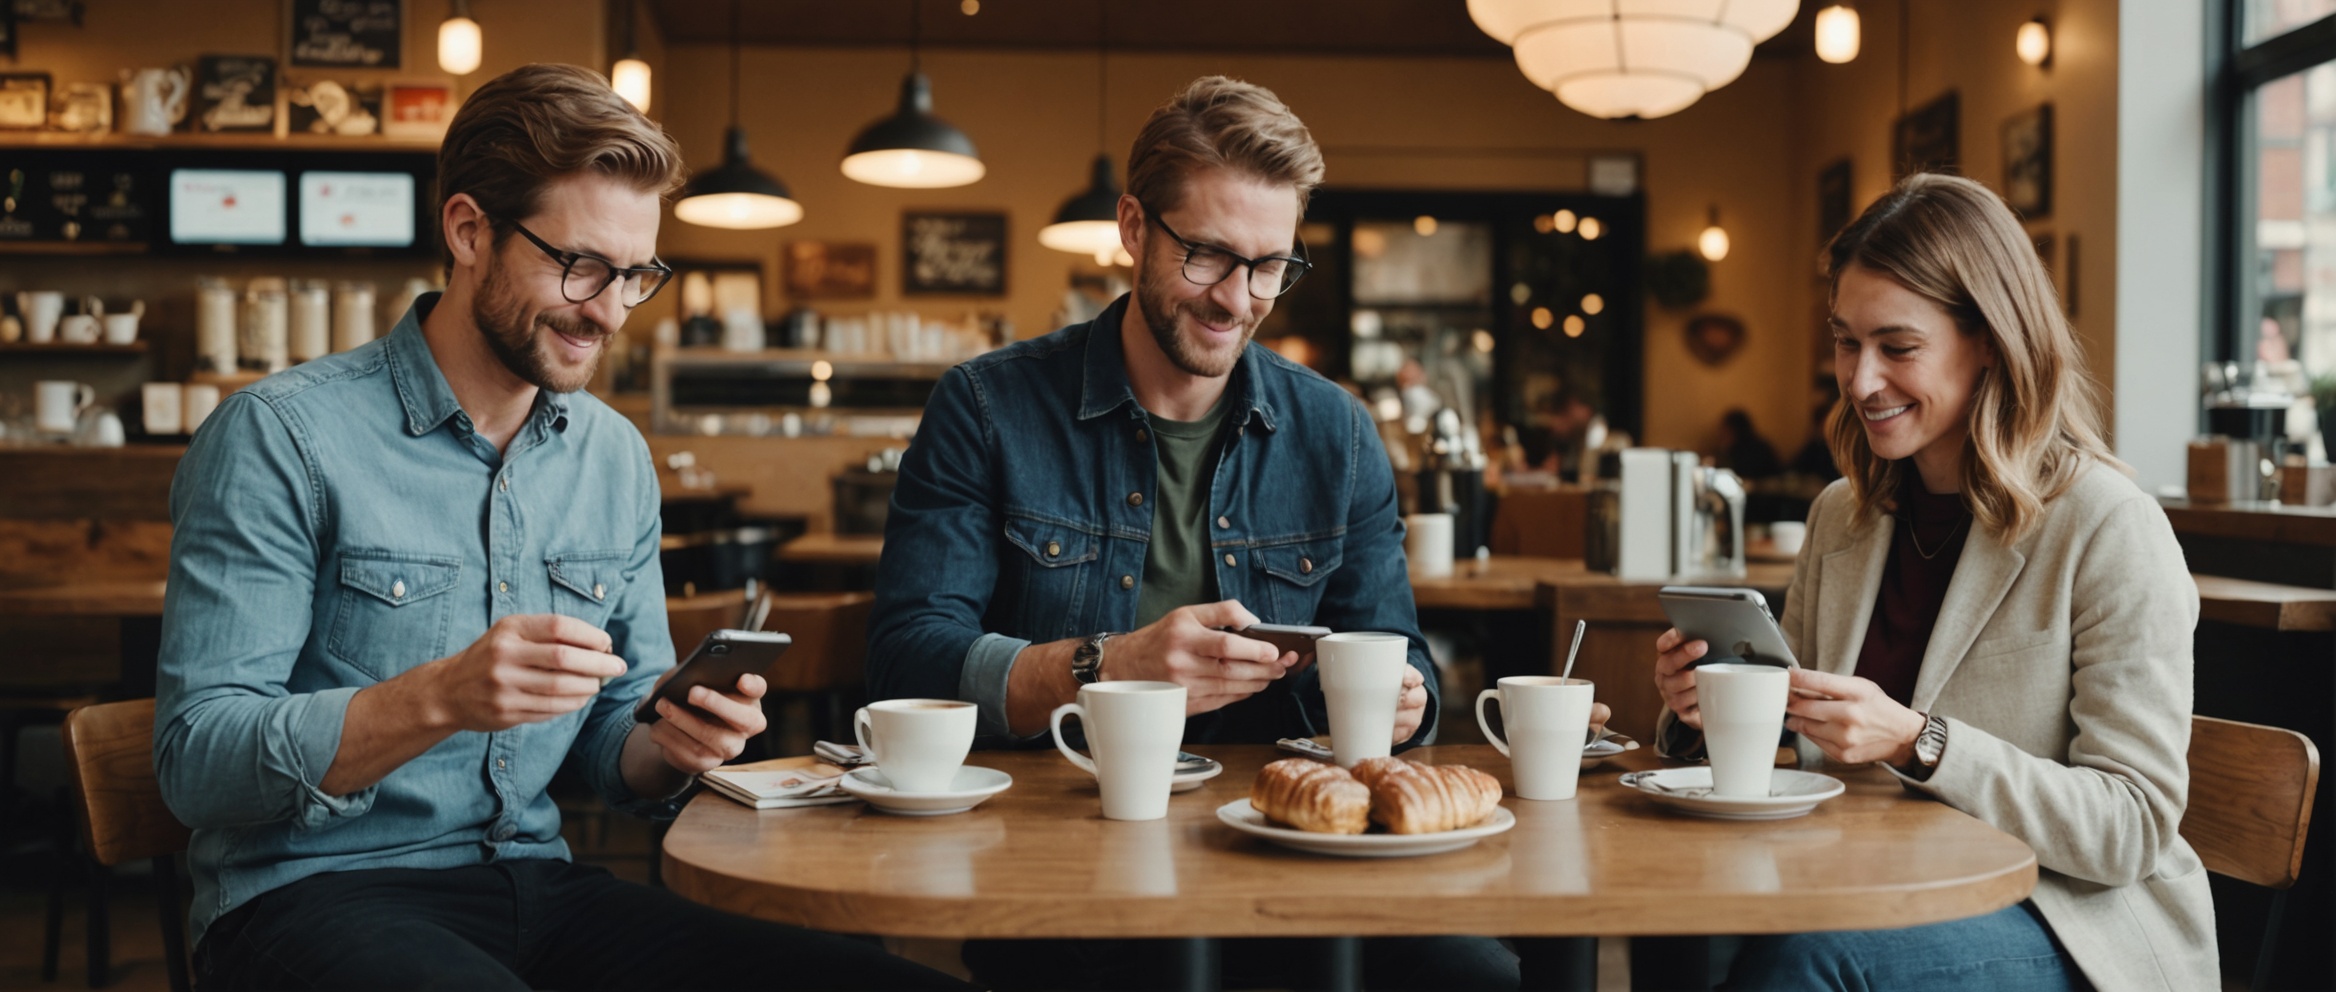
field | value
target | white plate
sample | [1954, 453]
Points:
[972, 785]
[1596, 752]
[1791, 793]
[1243, 817]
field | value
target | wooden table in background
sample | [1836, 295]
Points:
[138, 607]
[1040, 861]
[826, 548]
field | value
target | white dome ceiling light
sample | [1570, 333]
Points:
[1632, 58]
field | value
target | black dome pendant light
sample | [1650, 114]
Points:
[736, 195]
[912, 149]
[1088, 223]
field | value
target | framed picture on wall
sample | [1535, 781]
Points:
[962, 253]
[235, 93]
[416, 110]
[332, 106]
[1928, 139]
[2027, 162]
[829, 270]
[24, 101]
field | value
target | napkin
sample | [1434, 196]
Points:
[780, 783]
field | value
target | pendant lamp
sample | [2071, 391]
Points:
[736, 195]
[1632, 58]
[629, 77]
[460, 43]
[1088, 223]
[912, 149]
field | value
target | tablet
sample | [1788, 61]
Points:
[1734, 622]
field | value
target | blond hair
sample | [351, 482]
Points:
[537, 123]
[1223, 123]
[2034, 423]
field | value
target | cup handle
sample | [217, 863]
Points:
[1055, 723]
[84, 397]
[863, 730]
[1489, 695]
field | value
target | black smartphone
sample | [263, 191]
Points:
[1288, 637]
[717, 663]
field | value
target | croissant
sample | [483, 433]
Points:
[1311, 796]
[1423, 799]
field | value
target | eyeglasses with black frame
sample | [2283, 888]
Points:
[1208, 265]
[584, 276]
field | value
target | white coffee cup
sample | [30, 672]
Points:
[1362, 680]
[1427, 542]
[121, 328]
[162, 407]
[57, 404]
[1548, 721]
[78, 328]
[1134, 729]
[1743, 718]
[918, 743]
[41, 310]
[1788, 535]
[201, 399]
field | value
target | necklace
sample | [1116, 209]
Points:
[1917, 538]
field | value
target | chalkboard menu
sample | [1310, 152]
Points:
[68, 197]
[361, 33]
[953, 253]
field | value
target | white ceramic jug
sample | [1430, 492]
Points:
[153, 100]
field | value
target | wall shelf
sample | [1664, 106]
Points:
[65, 141]
[15, 348]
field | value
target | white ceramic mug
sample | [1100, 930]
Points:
[121, 328]
[57, 404]
[162, 407]
[1362, 681]
[1788, 536]
[918, 743]
[1134, 729]
[1743, 719]
[41, 309]
[78, 328]
[1427, 542]
[201, 399]
[1548, 721]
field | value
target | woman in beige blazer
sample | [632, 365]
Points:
[1989, 608]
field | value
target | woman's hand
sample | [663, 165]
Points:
[1674, 679]
[1851, 719]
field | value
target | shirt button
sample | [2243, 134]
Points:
[599, 591]
[1228, 559]
[505, 832]
[1143, 436]
[500, 763]
[1305, 564]
[1222, 522]
[502, 587]
[1135, 499]
[1127, 581]
[503, 483]
[1053, 548]
[397, 589]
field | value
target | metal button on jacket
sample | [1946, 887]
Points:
[1228, 559]
[599, 591]
[1053, 548]
[1306, 565]
[1135, 499]
[1127, 581]
[1223, 522]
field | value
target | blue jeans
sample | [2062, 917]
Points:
[2010, 950]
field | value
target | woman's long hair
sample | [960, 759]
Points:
[2035, 422]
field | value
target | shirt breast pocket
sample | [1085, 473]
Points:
[393, 610]
[1295, 576]
[586, 585]
[1055, 559]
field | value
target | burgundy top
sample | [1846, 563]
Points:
[1928, 538]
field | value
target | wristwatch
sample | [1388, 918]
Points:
[1931, 744]
[1087, 661]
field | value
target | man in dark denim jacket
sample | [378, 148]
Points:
[1154, 472]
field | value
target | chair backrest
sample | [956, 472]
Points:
[2251, 791]
[830, 632]
[110, 751]
[1546, 523]
[690, 618]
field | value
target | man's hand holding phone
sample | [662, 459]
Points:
[713, 728]
[1191, 648]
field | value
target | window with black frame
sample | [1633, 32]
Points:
[2276, 261]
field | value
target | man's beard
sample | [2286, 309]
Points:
[1160, 314]
[502, 320]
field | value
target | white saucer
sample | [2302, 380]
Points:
[972, 785]
[1791, 793]
[1243, 817]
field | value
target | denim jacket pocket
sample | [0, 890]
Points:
[1055, 560]
[393, 610]
[1294, 575]
[586, 585]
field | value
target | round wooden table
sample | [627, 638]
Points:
[1040, 861]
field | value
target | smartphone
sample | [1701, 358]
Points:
[1288, 637]
[1731, 621]
[716, 664]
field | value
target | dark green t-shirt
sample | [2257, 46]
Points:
[1176, 566]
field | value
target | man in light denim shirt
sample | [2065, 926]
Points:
[409, 582]
[1154, 472]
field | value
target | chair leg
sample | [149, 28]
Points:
[173, 914]
[2264, 956]
[53, 939]
[99, 939]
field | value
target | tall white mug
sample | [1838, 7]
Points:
[57, 404]
[1362, 681]
[1134, 729]
[1548, 721]
[1743, 718]
[918, 743]
[1427, 542]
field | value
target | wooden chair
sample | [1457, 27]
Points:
[2251, 790]
[827, 663]
[109, 749]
